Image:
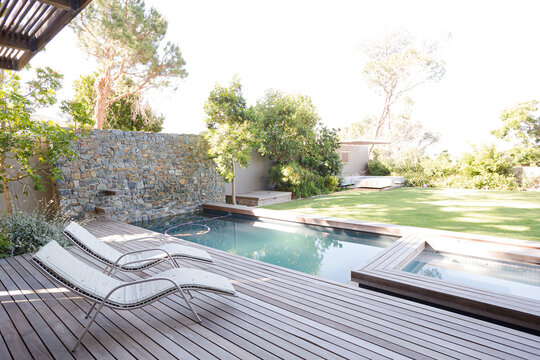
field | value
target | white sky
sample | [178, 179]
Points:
[311, 47]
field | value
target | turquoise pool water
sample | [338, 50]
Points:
[494, 275]
[326, 252]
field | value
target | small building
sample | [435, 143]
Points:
[355, 155]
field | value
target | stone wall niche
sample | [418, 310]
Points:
[132, 176]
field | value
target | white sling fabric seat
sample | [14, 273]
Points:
[103, 289]
[135, 260]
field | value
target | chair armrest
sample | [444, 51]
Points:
[146, 237]
[168, 257]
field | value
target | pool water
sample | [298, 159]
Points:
[494, 275]
[322, 251]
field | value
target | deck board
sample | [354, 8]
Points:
[279, 313]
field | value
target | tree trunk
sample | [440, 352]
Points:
[102, 90]
[382, 118]
[233, 186]
[5, 187]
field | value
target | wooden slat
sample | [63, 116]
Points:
[279, 313]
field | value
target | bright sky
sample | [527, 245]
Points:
[312, 47]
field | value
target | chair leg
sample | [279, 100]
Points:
[106, 268]
[197, 318]
[190, 294]
[90, 311]
[88, 326]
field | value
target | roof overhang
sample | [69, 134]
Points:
[26, 26]
[363, 142]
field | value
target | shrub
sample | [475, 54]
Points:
[376, 167]
[22, 232]
[301, 181]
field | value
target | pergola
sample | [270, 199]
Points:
[26, 26]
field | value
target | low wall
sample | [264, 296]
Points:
[133, 176]
[528, 177]
[34, 200]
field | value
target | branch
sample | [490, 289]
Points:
[154, 74]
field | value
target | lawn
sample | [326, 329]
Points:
[498, 213]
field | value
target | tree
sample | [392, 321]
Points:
[409, 139]
[130, 113]
[22, 137]
[229, 132]
[291, 134]
[396, 65]
[127, 41]
[520, 123]
[358, 129]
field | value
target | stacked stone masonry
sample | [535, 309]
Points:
[133, 176]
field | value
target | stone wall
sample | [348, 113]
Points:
[132, 176]
[528, 177]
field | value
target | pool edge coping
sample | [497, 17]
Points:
[362, 225]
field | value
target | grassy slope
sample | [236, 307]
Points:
[497, 213]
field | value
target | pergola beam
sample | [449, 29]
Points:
[69, 5]
[42, 24]
[26, 44]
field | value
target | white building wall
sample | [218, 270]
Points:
[254, 177]
[356, 157]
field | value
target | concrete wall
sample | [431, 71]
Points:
[358, 159]
[151, 175]
[254, 177]
[36, 200]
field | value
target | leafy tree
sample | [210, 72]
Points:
[396, 65]
[291, 134]
[130, 113]
[229, 132]
[358, 129]
[22, 137]
[127, 41]
[521, 123]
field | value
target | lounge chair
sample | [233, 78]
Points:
[104, 290]
[133, 260]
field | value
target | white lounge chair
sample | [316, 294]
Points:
[105, 290]
[133, 260]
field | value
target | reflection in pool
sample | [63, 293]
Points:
[326, 252]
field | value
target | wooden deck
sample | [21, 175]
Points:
[261, 198]
[279, 313]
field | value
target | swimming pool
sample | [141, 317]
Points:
[494, 275]
[317, 250]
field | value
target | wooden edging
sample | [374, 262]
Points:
[368, 226]
[384, 271]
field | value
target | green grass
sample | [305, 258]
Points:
[497, 213]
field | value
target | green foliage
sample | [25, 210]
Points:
[396, 64]
[521, 123]
[525, 155]
[376, 167]
[301, 181]
[130, 113]
[229, 132]
[128, 42]
[22, 232]
[483, 168]
[22, 137]
[287, 126]
[291, 134]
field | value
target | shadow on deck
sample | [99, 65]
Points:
[279, 313]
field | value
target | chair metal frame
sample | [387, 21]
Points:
[103, 301]
[116, 266]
